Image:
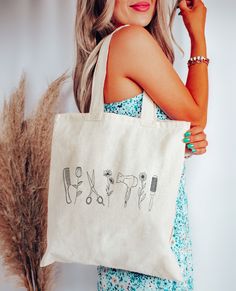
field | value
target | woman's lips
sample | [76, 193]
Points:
[142, 6]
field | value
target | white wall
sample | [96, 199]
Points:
[37, 37]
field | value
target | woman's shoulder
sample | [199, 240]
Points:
[132, 30]
[132, 36]
[134, 42]
[134, 50]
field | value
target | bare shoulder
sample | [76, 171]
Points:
[132, 31]
[136, 56]
[131, 37]
[133, 47]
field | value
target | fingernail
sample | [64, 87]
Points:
[186, 139]
[194, 150]
[188, 133]
[190, 145]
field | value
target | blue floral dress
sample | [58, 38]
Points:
[110, 279]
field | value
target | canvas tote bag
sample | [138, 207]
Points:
[113, 186]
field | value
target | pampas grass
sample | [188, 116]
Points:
[25, 146]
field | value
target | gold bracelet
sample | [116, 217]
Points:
[197, 60]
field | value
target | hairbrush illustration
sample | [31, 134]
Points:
[130, 181]
[153, 190]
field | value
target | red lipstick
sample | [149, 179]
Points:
[141, 6]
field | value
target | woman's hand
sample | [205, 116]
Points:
[196, 140]
[194, 16]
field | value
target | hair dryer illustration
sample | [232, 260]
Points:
[130, 181]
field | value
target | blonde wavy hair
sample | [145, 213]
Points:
[93, 22]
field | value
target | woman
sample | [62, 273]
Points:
[141, 59]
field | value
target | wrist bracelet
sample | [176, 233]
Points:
[197, 60]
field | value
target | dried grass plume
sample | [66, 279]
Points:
[25, 146]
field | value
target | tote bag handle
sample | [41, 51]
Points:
[148, 114]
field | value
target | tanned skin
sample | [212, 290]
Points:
[142, 65]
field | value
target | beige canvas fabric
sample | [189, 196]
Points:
[113, 186]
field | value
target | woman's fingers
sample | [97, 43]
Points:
[186, 4]
[197, 148]
[183, 6]
[195, 138]
[196, 141]
[197, 134]
[200, 151]
[197, 144]
[197, 2]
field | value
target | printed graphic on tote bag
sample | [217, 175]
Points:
[110, 180]
[153, 190]
[68, 185]
[141, 193]
[93, 190]
[130, 181]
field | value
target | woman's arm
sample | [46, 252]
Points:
[197, 79]
[194, 18]
[138, 56]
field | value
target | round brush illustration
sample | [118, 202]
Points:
[153, 190]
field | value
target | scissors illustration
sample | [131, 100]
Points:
[93, 190]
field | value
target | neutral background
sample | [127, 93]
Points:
[37, 37]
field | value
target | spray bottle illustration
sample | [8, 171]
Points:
[153, 190]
